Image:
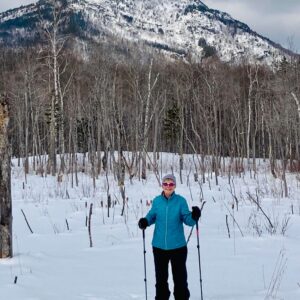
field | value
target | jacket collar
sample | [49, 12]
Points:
[163, 195]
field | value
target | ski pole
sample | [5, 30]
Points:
[198, 246]
[188, 239]
[145, 278]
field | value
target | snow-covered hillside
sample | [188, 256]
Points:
[56, 261]
[178, 28]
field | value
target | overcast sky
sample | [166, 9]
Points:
[279, 20]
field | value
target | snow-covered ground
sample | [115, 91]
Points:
[55, 262]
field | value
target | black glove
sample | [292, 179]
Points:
[196, 213]
[143, 223]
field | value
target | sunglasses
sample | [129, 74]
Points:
[170, 184]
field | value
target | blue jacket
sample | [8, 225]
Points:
[169, 216]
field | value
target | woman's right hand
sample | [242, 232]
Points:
[143, 223]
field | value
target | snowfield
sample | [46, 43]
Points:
[258, 261]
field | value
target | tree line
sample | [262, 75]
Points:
[128, 99]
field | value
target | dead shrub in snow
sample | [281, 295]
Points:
[277, 276]
[259, 225]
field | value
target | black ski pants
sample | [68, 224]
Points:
[177, 257]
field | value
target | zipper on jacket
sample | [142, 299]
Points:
[166, 233]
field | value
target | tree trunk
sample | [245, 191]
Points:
[148, 117]
[5, 185]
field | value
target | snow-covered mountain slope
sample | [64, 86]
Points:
[179, 28]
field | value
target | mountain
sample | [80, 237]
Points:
[178, 28]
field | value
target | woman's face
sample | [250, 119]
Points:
[168, 187]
